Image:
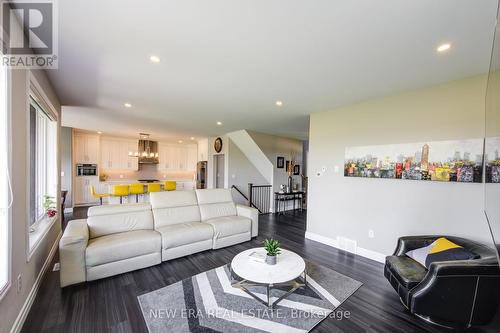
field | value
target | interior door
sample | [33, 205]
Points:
[219, 171]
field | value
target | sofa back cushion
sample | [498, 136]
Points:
[112, 219]
[173, 207]
[215, 203]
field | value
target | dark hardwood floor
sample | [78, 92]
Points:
[110, 305]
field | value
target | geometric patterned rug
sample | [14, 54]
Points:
[208, 303]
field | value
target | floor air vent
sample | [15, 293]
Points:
[347, 244]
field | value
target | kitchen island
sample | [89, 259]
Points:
[106, 187]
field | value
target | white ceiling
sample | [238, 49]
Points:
[230, 60]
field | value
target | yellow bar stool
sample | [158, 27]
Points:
[170, 185]
[97, 195]
[137, 189]
[120, 191]
[154, 188]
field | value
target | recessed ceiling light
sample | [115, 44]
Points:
[154, 59]
[180, 141]
[219, 123]
[99, 132]
[192, 138]
[443, 47]
[279, 103]
[127, 105]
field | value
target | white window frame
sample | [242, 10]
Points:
[37, 232]
[7, 91]
[41, 124]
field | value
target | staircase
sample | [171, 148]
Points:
[253, 153]
[259, 196]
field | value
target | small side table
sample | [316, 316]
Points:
[284, 197]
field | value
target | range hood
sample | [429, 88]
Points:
[148, 152]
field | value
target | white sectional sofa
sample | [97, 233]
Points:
[120, 238]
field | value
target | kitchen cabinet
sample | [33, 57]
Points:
[177, 157]
[86, 148]
[192, 158]
[115, 154]
[81, 191]
[132, 162]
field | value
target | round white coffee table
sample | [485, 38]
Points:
[289, 268]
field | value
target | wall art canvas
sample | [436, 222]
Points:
[447, 161]
[492, 159]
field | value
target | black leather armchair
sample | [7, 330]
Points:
[456, 294]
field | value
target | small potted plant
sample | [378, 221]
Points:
[272, 247]
[49, 204]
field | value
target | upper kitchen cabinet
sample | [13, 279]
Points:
[192, 157]
[177, 157]
[115, 154]
[86, 148]
[132, 162]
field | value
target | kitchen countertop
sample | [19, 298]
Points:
[135, 181]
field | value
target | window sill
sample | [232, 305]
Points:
[41, 230]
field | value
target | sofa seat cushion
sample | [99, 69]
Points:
[184, 233]
[405, 270]
[125, 245]
[230, 225]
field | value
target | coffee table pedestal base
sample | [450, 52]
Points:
[294, 284]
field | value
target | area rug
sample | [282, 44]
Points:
[208, 303]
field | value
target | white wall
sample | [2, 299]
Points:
[349, 207]
[274, 146]
[13, 301]
[210, 160]
[253, 153]
[241, 172]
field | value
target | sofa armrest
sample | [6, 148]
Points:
[456, 268]
[449, 286]
[72, 248]
[252, 214]
[408, 243]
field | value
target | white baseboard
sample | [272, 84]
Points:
[373, 255]
[21, 317]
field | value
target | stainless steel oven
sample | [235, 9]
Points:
[86, 169]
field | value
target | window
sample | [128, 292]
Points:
[5, 189]
[43, 161]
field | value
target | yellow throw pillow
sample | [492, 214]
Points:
[441, 249]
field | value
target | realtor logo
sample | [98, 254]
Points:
[29, 34]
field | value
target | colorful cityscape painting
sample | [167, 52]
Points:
[492, 159]
[446, 161]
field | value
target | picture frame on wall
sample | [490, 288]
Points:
[296, 170]
[280, 162]
[218, 145]
[287, 165]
